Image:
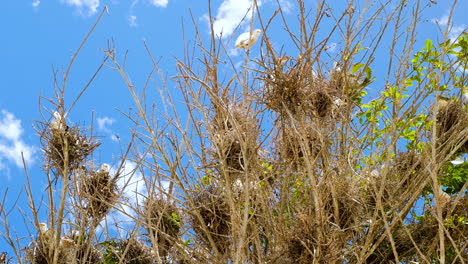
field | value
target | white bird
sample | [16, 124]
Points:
[66, 242]
[247, 39]
[336, 66]
[458, 161]
[58, 123]
[237, 186]
[45, 232]
[43, 228]
[104, 168]
[75, 234]
[337, 101]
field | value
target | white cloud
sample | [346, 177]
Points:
[454, 30]
[441, 21]
[132, 185]
[84, 7]
[103, 125]
[286, 5]
[230, 14]
[104, 122]
[36, 3]
[132, 180]
[132, 21]
[331, 47]
[160, 3]
[11, 144]
[234, 52]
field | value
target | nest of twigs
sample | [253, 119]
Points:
[299, 244]
[399, 178]
[163, 223]
[69, 252]
[98, 191]
[451, 120]
[424, 233]
[405, 170]
[69, 142]
[86, 253]
[299, 90]
[344, 207]
[293, 149]
[211, 219]
[235, 138]
[344, 211]
[38, 253]
[128, 251]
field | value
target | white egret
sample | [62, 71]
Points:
[247, 39]
[43, 228]
[458, 161]
[58, 123]
[104, 168]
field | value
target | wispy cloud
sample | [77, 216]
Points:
[11, 143]
[160, 3]
[133, 187]
[132, 20]
[441, 21]
[454, 29]
[286, 5]
[84, 7]
[230, 14]
[331, 47]
[104, 122]
[35, 3]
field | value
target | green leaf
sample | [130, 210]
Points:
[428, 46]
[356, 67]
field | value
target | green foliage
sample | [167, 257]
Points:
[173, 220]
[109, 253]
[454, 177]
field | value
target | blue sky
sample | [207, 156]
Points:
[39, 37]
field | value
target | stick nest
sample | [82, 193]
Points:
[163, 223]
[99, 192]
[71, 142]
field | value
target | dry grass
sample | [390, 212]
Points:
[282, 160]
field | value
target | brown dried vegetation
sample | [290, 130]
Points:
[295, 168]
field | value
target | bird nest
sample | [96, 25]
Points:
[298, 248]
[211, 218]
[301, 143]
[163, 223]
[235, 138]
[300, 91]
[452, 119]
[423, 232]
[401, 177]
[41, 252]
[294, 149]
[405, 170]
[99, 192]
[69, 143]
[129, 251]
